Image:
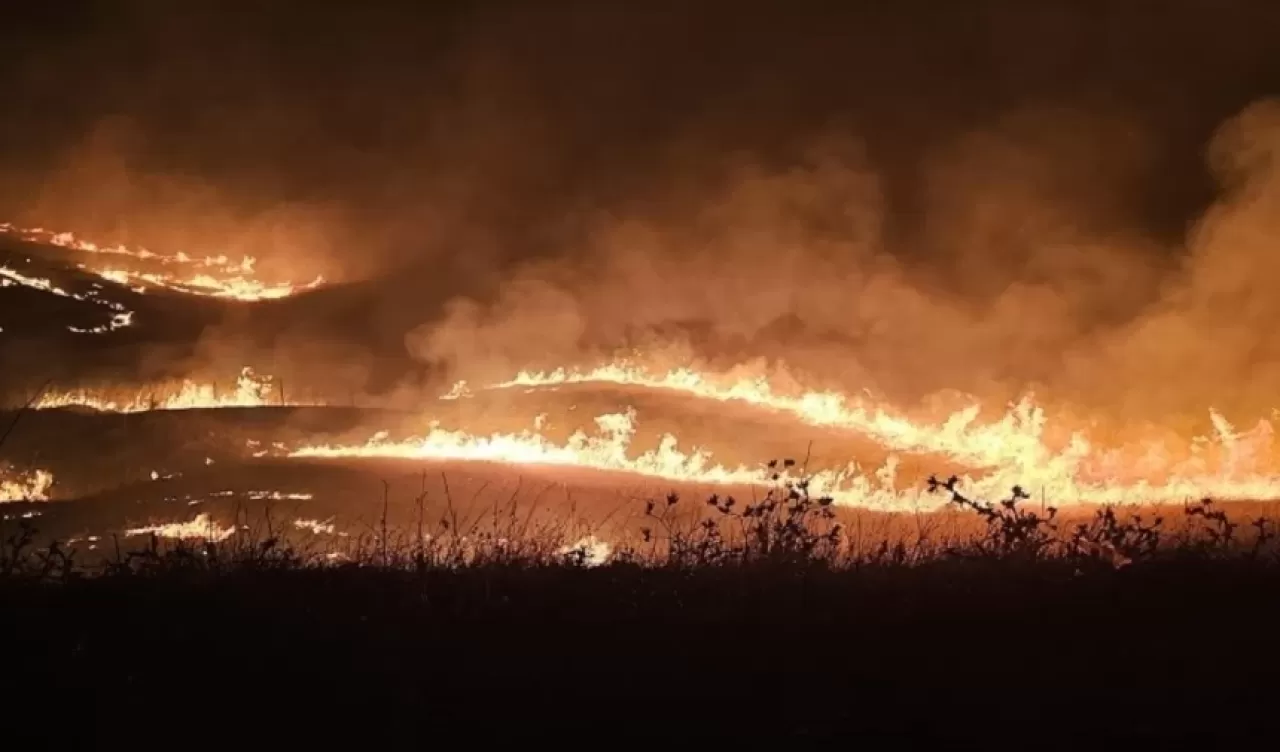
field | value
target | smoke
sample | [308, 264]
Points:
[1027, 273]
[1209, 338]
[993, 199]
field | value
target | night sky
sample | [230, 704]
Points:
[379, 107]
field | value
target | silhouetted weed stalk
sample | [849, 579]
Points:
[788, 527]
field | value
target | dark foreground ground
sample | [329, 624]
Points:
[979, 654]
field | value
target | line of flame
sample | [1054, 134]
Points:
[1236, 474]
[251, 390]
[1013, 446]
[202, 527]
[213, 276]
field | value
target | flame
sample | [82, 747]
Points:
[121, 317]
[210, 276]
[236, 287]
[1231, 465]
[607, 450]
[26, 487]
[315, 527]
[591, 551]
[251, 390]
[202, 527]
[1015, 439]
[1011, 451]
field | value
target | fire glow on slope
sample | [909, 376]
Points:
[251, 390]
[1013, 440]
[211, 276]
[1230, 465]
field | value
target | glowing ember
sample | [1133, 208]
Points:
[279, 496]
[251, 390]
[26, 487]
[211, 276]
[606, 451]
[202, 527]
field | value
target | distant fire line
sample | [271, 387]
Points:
[212, 276]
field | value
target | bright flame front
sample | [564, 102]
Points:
[1011, 451]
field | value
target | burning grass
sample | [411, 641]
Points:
[791, 525]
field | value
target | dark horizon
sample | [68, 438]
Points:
[357, 106]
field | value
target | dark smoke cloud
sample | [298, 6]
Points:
[991, 196]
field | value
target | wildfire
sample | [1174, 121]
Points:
[202, 527]
[251, 390]
[1013, 440]
[607, 450]
[590, 551]
[32, 486]
[1011, 451]
[237, 287]
[1230, 465]
[280, 496]
[316, 527]
[210, 276]
[121, 317]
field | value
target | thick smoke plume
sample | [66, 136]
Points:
[1075, 199]
[1026, 275]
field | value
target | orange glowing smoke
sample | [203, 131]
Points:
[211, 276]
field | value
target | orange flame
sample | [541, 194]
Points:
[251, 390]
[210, 276]
[32, 486]
[1010, 451]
